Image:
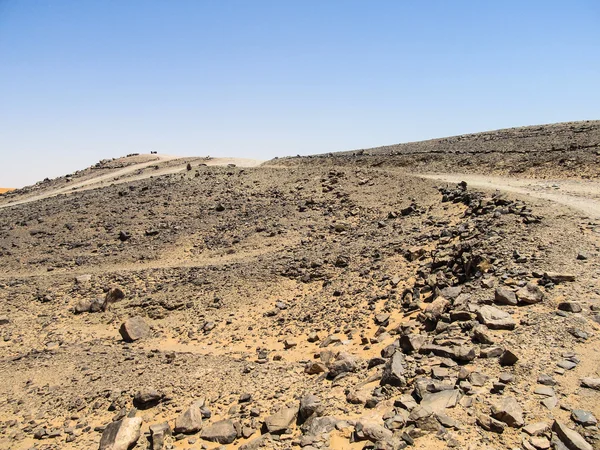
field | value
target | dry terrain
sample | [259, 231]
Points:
[360, 300]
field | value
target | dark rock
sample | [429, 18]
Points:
[121, 435]
[222, 432]
[504, 296]
[508, 358]
[573, 307]
[158, 432]
[190, 421]
[134, 328]
[572, 439]
[147, 398]
[394, 372]
[585, 418]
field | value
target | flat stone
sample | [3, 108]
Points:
[550, 402]
[540, 443]
[585, 418]
[571, 438]
[283, 419]
[536, 429]
[566, 364]
[439, 401]
[557, 277]
[508, 411]
[495, 318]
[591, 383]
[546, 391]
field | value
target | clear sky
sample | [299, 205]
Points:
[82, 80]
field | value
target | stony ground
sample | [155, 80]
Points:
[311, 305]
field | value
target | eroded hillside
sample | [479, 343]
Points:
[316, 305]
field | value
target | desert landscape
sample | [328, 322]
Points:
[429, 295]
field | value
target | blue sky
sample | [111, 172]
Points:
[82, 80]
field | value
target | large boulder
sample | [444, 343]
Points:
[190, 421]
[222, 432]
[122, 434]
[495, 319]
[134, 328]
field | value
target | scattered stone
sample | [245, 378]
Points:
[557, 277]
[439, 401]
[572, 307]
[536, 429]
[147, 398]
[585, 418]
[309, 405]
[591, 383]
[504, 296]
[289, 343]
[490, 424]
[546, 380]
[572, 439]
[158, 432]
[509, 411]
[279, 422]
[412, 342]
[222, 432]
[530, 294]
[133, 329]
[122, 434]
[344, 362]
[190, 421]
[495, 318]
[508, 358]
[394, 372]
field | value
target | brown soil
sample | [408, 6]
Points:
[225, 264]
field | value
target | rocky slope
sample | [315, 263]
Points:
[562, 150]
[305, 305]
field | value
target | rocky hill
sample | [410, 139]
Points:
[562, 150]
[321, 302]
